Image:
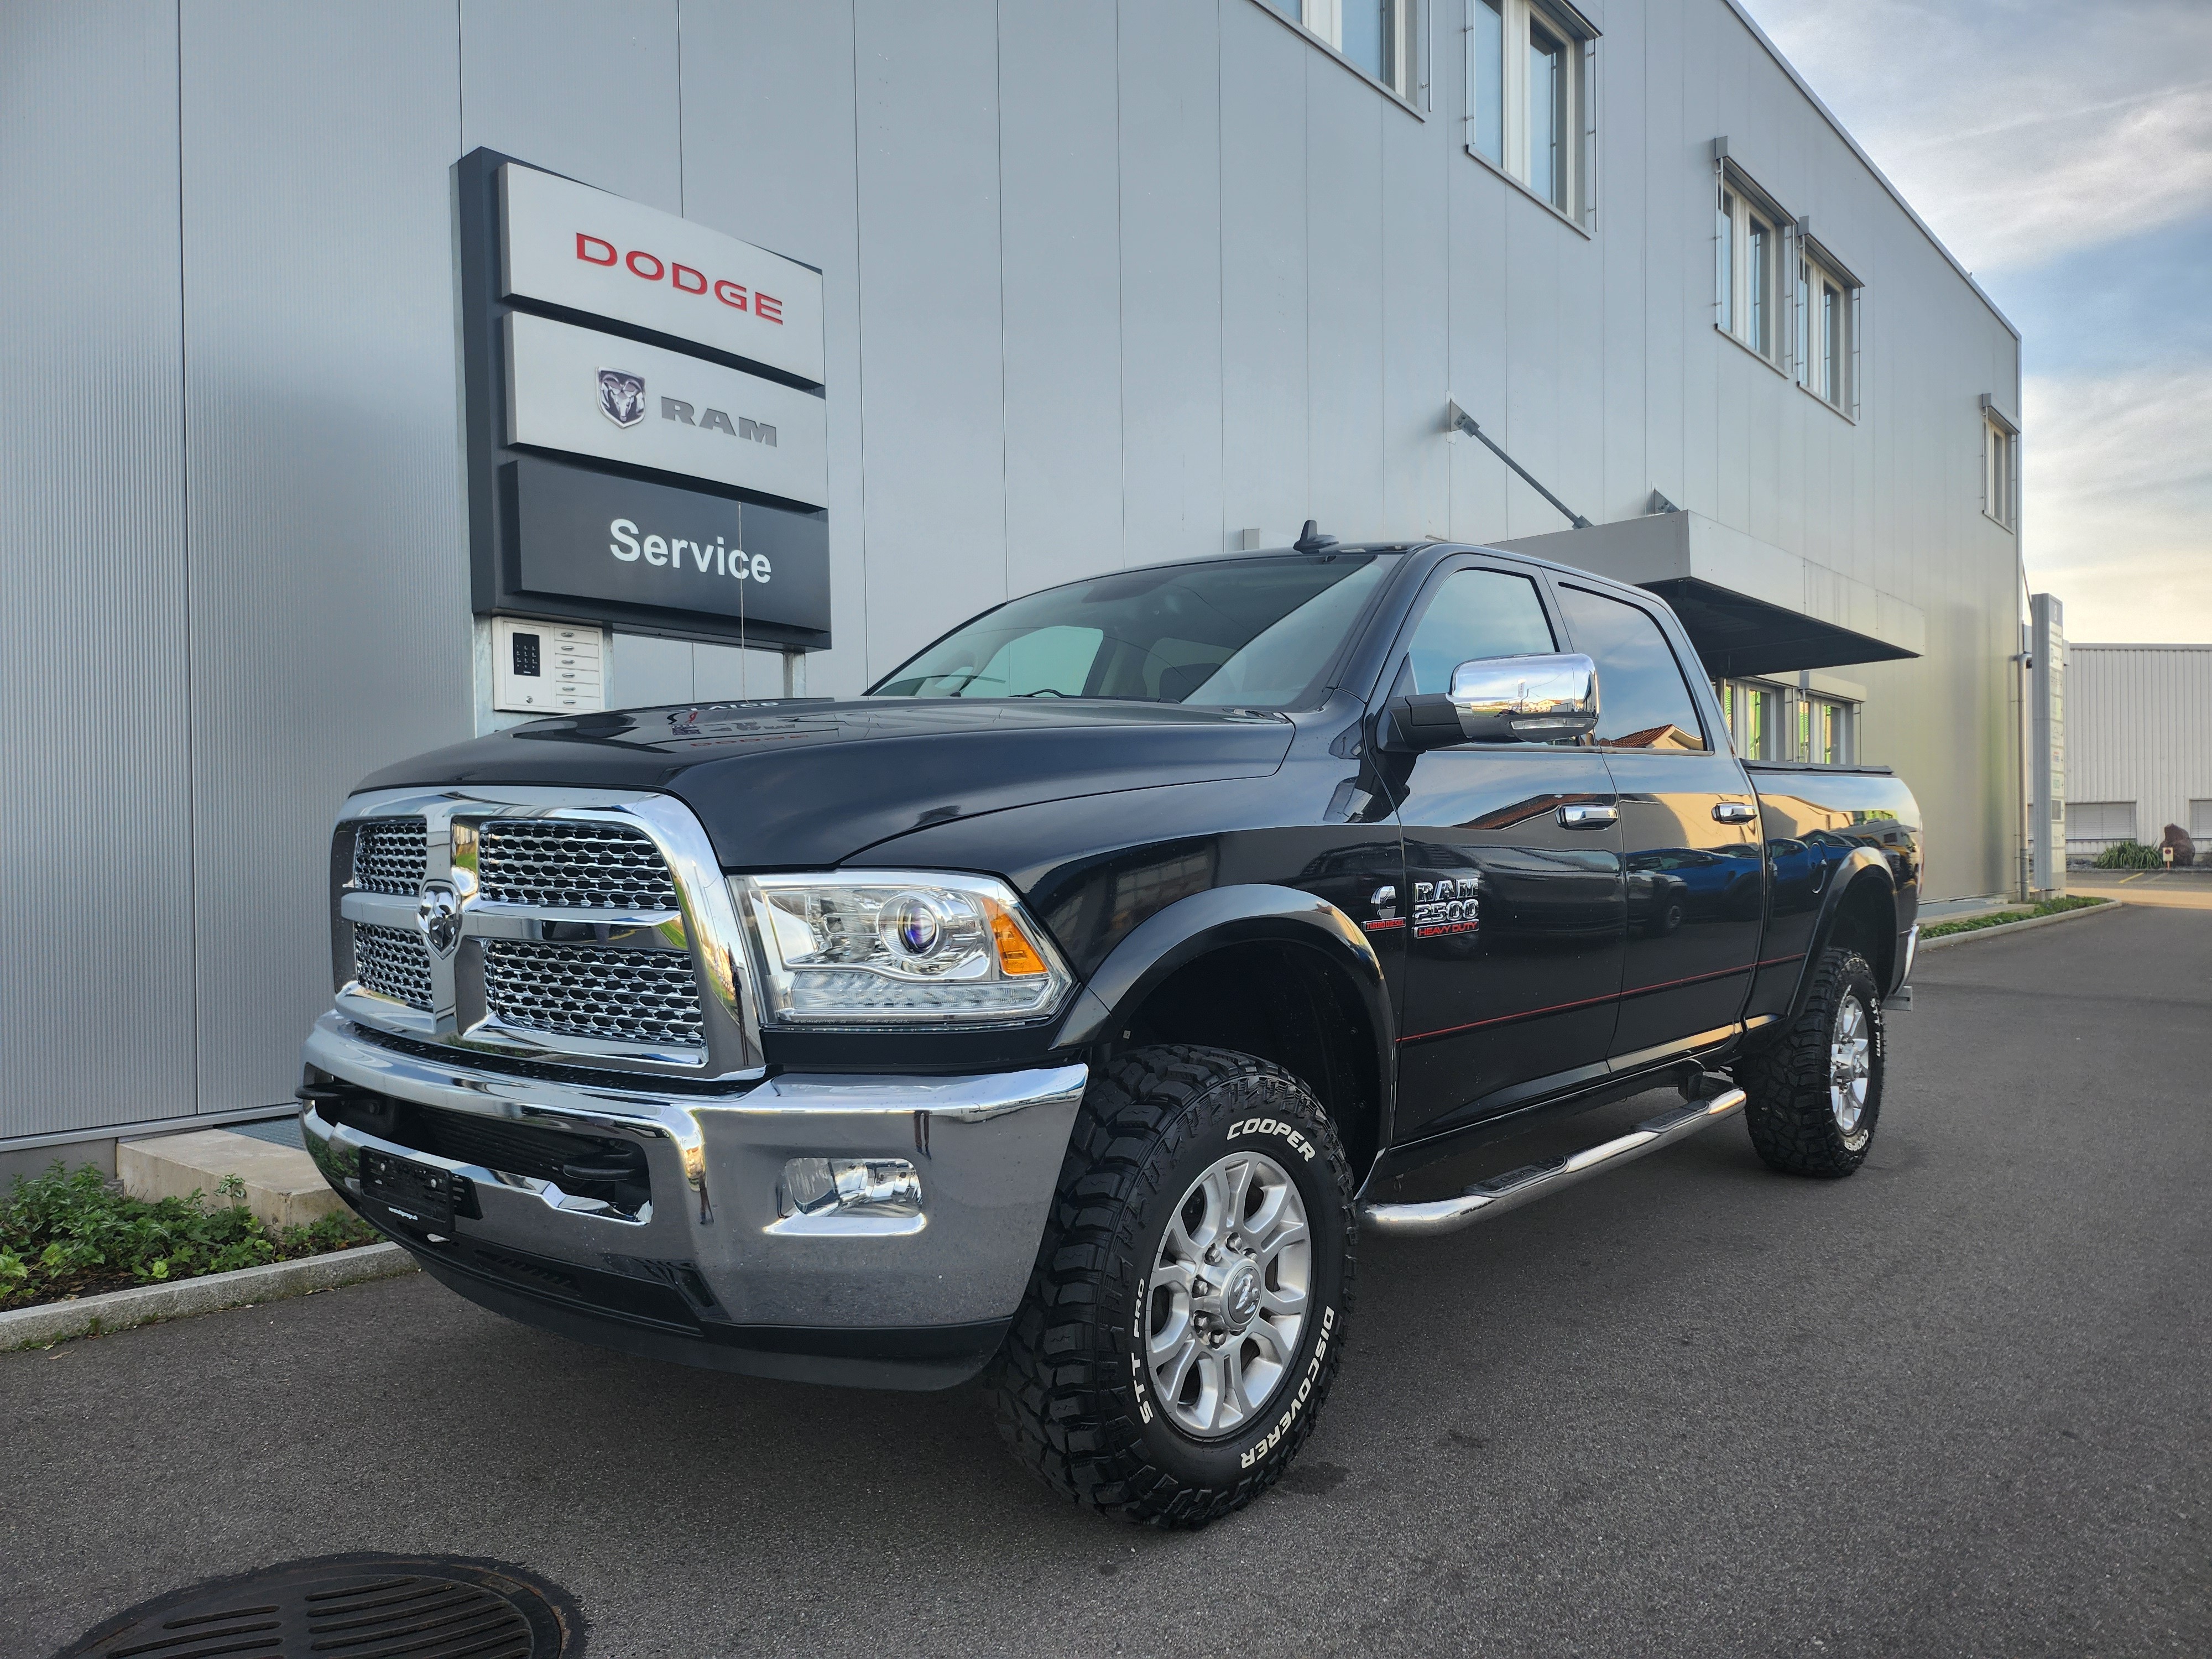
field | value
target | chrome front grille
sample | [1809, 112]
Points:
[394, 963]
[389, 855]
[567, 865]
[585, 991]
[584, 928]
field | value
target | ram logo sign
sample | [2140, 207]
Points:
[622, 397]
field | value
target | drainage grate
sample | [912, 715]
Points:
[361, 1607]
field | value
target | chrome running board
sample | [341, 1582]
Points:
[1510, 1191]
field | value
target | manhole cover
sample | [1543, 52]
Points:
[357, 1606]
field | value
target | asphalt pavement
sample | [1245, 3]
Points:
[1960, 1404]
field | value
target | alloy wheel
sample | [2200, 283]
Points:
[1227, 1298]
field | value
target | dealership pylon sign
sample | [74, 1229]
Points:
[629, 373]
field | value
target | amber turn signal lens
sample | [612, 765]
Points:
[1016, 956]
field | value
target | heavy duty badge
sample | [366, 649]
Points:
[1446, 906]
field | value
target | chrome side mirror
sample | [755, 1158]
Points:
[1532, 699]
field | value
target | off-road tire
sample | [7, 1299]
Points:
[1068, 1387]
[1786, 1106]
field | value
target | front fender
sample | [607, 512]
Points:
[1190, 927]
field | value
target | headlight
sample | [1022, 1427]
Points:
[892, 947]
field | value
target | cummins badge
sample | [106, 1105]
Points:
[622, 397]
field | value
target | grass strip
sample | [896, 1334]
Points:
[69, 1232]
[1998, 919]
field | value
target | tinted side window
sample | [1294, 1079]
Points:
[1642, 700]
[1476, 613]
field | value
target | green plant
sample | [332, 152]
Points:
[68, 1231]
[1975, 924]
[2129, 855]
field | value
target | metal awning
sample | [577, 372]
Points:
[1735, 634]
[1748, 606]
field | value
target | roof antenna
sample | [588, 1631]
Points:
[1311, 540]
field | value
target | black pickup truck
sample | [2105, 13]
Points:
[1066, 1008]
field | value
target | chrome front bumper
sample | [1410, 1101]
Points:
[887, 1300]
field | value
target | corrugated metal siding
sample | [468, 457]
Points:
[1103, 284]
[95, 816]
[2139, 728]
[330, 618]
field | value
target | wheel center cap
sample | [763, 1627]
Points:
[1240, 1295]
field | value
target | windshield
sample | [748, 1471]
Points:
[1258, 633]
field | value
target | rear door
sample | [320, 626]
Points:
[1513, 920]
[1689, 827]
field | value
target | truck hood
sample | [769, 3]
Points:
[803, 784]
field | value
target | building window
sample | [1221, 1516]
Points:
[1381, 39]
[1826, 307]
[1748, 241]
[1782, 723]
[1824, 731]
[1528, 103]
[2094, 825]
[2000, 463]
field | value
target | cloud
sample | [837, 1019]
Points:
[2062, 150]
[2019, 133]
[2117, 483]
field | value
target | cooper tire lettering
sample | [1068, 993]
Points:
[1110, 1278]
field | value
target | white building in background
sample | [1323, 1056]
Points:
[2138, 745]
[1102, 285]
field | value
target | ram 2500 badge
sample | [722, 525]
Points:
[1066, 1007]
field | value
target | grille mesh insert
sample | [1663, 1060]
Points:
[584, 991]
[571, 865]
[394, 962]
[389, 855]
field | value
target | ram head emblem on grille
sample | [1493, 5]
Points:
[438, 914]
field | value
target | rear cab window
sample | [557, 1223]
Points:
[1644, 702]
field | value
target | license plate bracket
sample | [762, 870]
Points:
[420, 1193]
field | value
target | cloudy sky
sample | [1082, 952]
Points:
[2062, 150]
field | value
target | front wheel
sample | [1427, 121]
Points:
[1814, 1095]
[1185, 1317]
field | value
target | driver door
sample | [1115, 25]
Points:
[1515, 922]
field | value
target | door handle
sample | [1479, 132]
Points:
[1584, 817]
[1735, 812]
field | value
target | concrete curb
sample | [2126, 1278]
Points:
[142, 1305]
[2005, 929]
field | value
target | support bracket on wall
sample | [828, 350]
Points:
[1458, 420]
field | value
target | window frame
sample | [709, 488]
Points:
[1574, 124]
[1321, 23]
[2000, 467]
[1774, 720]
[1815, 273]
[1751, 298]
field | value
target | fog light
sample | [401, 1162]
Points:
[850, 1186]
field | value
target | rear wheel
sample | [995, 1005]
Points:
[1814, 1095]
[1184, 1318]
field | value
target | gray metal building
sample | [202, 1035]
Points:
[2138, 745]
[1104, 285]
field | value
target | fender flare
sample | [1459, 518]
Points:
[1860, 867]
[1247, 912]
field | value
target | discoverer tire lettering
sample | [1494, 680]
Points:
[1070, 1387]
[1789, 1110]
